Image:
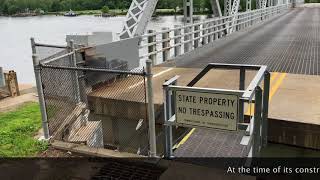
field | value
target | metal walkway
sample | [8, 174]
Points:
[288, 43]
[210, 143]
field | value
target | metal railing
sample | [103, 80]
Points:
[159, 45]
[255, 128]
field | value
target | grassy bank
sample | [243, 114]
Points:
[17, 129]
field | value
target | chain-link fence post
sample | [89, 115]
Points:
[152, 125]
[33, 46]
[37, 72]
[73, 58]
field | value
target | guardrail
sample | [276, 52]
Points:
[199, 34]
[257, 127]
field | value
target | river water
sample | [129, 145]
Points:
[15, 33]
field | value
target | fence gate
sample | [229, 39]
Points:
[219, 110]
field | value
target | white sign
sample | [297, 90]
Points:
[211, 110]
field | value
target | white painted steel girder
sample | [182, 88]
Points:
[188, 11]
[248, 5]
[138, 16]
[227, 7]
[234, 13]
[263, 4]
[216, 8]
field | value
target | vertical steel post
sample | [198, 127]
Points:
[241, 17]
[252, 17]
[177, 40]
[219, 28]
[165, 45]
[204, 33]
[188, 11]
[33, 46]
[167, 128]
[238, 22]
[226, 26]
[248, 5]
[266, 92]
[73, 59]
[242, 87]
[196, 35]
[167, 145]
[186, 38]
[152, 48]
[188, 19]
[209, 31]
[44, 117]
[214, 30]
[247, 20]
[151, 117]
[257, 122]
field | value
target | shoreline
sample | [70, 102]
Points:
[112, 13]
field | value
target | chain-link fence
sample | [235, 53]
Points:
[93, 101]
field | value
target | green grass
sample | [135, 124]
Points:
[17, 131]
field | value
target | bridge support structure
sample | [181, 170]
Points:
[227, 7]
[248, 5]
[138, 17]
[188, 11]
[216, 10]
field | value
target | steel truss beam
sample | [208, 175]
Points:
[263, 4]
[248, 5]
[188, 11]
[258, 4]
[216, 8]
[227, 7]
[234, 13]
[138, 16]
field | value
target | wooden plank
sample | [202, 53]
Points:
[12, 83]
[59, 133]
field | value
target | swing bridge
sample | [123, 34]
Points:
[119, 95]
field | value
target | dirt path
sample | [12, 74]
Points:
[11, 103]
[28, 94]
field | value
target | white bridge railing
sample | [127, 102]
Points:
[168, 43]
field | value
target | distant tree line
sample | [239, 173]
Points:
[9, 7]
[312, 1]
